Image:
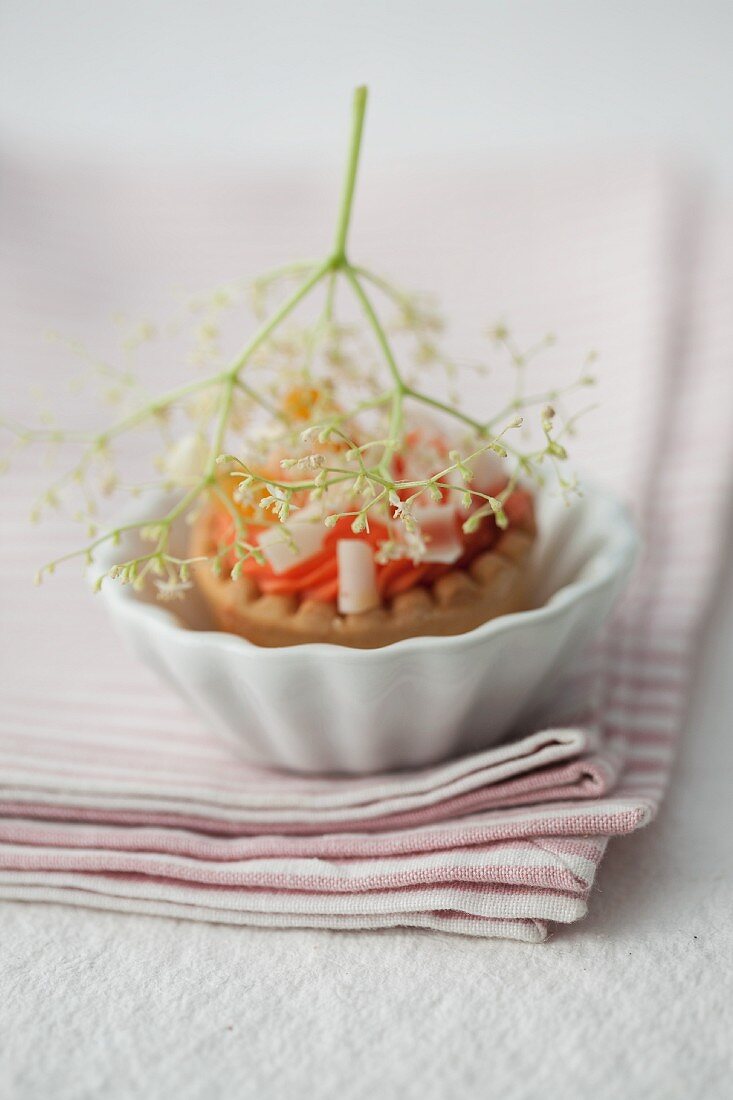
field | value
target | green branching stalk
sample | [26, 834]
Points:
[477, 426]
[351, 466]
[352, 165]
[240, 361]
[376, 326]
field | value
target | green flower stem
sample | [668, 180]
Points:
[221, 426]
[396, 424]
[426, 399]
[231, 509]
[178, 509]
[231, 374]
[279, 315]
[384, 285]
[352, 164]
[260, 400]
[569, 425]
[330, 298]
[108, 536]
[532, 400]
[113, 535]
[161, 550]
[373, 474]
[160, 403]
[376, 325]
[363, 406]
[297, 267]
[126, 423]
[301, 486]
[44, 435]
[396, 419]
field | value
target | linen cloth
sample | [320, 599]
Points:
[112, 796]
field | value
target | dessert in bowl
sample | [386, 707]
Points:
[326, 707]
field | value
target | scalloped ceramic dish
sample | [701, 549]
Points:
[318, 707]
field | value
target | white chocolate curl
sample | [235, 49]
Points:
[308, 538]
[357, 575]
[438, 526]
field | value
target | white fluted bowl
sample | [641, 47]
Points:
[320, 708]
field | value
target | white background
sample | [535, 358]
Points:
[251, 81]
[633, 1002]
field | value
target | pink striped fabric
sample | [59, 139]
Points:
[112, 796]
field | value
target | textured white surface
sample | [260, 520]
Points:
[634, 1002]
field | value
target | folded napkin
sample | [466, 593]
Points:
[112, 796]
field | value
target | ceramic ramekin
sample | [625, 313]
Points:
[328, 708]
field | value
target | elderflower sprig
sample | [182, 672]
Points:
[332, 443]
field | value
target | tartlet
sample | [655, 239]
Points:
[496, 582]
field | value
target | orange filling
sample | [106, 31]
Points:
[317, 578]
[299, 402]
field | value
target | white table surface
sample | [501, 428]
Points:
[635, 1001]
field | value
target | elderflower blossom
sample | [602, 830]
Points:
[307, 462]
[172, 588]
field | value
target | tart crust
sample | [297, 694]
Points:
[496, 582]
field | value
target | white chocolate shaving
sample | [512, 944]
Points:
[281, 554]
[440, 533]
[357, 577]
